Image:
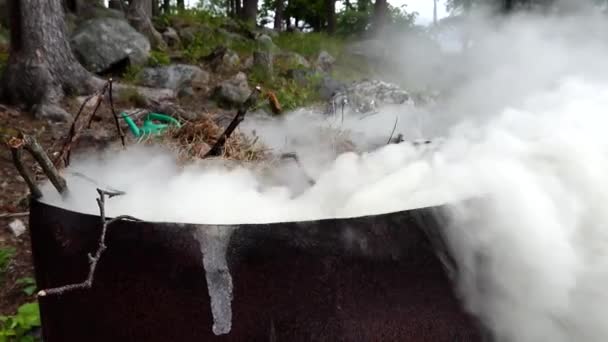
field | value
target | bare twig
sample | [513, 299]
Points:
[11, 215]
[93, 260]
[75, 129]
[294, 156]
[218, 147]
[118, 128]
[393, 132]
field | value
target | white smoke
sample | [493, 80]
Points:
[525, 129]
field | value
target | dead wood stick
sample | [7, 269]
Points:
[17, 153]
[34, 148]
[30, 144]
[118, 128]
[75, 129]
[393, 132]
[218, 147]
[101, 247]
[294, 156]
[11, 215]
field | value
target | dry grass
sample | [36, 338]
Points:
[194, 139]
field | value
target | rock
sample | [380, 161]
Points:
[325, 61]
[51, 112]
[265, 43]
[368, 95]
[248, 63]
[233, 92]
[301, 76]
[187, 34]
[102, 43]
[17, 227]
[262, 62]
[171, 37]
[230, 36]
[289, 60]
[223, 60]
[175, 76]
[92, 12]
[329, 87]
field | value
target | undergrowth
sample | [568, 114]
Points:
[18, 327]
[6, 256]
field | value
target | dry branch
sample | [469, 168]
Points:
[218, 147]
[30, 144]
[93, 260]
[11, 215]
[118, 128]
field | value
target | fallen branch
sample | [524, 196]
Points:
[294, 156]
[75, 130]
[218, 147]
[118, 128]
[30, 144]
[393, 132]
[93, 260]
[11, 215]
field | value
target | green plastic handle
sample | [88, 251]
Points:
[165, 118]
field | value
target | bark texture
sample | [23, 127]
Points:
[250, 11]
[380, 9]
[41, 67]
[279, 9]
[140, 14]
[330, 14]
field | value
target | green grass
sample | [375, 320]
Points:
[158, 58]
[310, 44]
[6, 256]
[16, 328]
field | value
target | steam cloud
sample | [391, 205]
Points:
[524, 124]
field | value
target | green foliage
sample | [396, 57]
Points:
[158, 58]
[16, 328]
[290, 93]
[356, 20]
[6, 255]
[132, 73]
[309, 44]
[132, 96]
[28, 285]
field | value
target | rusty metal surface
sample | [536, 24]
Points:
[364, 279]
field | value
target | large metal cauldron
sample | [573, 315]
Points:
[374, 278]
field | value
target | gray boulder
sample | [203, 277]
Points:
[233, 92]
[179, 77]
[265, 43]
[262, 61]
[102, 43]
[291, 59]
[171, 37]
[223, 60]
[330, 88]
[325, 61]
[368, 95]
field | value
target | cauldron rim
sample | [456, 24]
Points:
[432, 208]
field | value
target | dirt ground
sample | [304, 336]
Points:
[13, 195]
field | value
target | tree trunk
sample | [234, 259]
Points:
[278, 15]
[41, 67]
[166, 6]
[250, 11]
[155, 8]
[330, 14]
[140, 14]
[380, 9]
[238, 8]
[180, 5]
